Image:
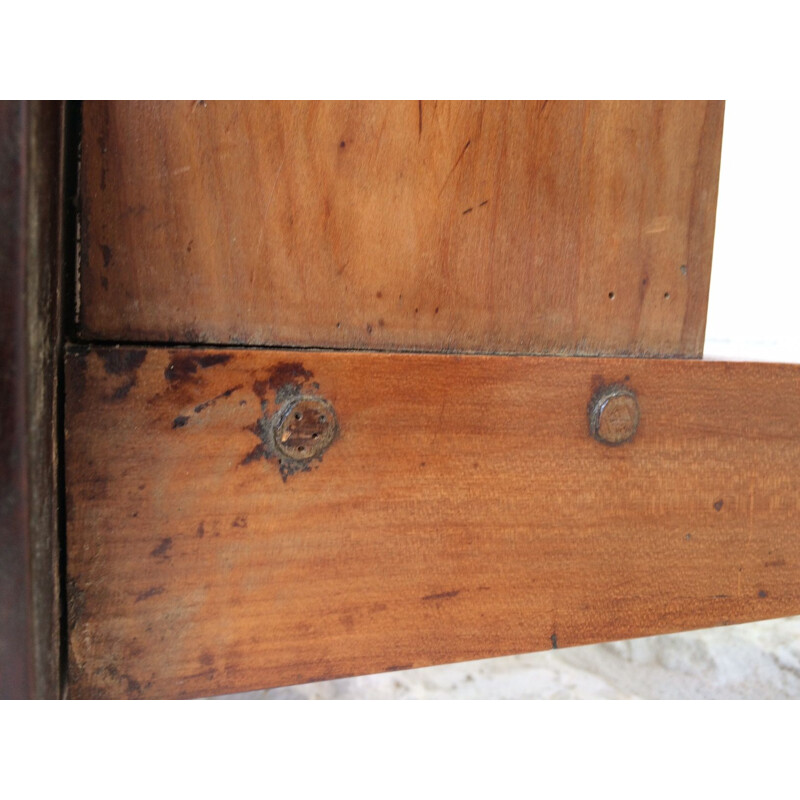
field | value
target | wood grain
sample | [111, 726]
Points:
[31, 258]
[526, 227]
[463, 510]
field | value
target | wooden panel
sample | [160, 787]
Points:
[463, 510]
[31, 136]
[539, 227]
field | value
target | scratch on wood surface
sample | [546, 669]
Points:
[453, 168]
[442, 595]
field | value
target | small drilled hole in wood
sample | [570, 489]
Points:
[298, 416]
[666, 295]
[611, 295]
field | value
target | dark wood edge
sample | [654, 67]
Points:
[32, 239]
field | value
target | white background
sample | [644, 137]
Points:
[754, 303]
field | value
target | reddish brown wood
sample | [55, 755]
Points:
[463, 510]
[527, 227]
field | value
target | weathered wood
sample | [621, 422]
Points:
[463, 510]
[31, 136]
[528, 227]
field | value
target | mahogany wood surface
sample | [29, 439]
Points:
[522, 227]
[462, 510]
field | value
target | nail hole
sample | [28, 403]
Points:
[298, 415]
[666, 295]
[611, 295]
[322, 418]
[300, 449]
[314, 435]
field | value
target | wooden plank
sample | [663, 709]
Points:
[31, 135]
[463, 510]
[528, 227]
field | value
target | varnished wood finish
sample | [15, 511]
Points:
[536, 227]
[462, 510]
[31, 135]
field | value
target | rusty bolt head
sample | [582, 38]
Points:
[614, 415]
[305, 428]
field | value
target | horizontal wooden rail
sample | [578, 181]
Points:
[453, 508]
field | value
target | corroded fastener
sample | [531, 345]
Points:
[304, 428]
[614, 415]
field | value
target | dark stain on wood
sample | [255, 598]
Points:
[121, 392]
[133, 688]
[179, 421]
[256, 454]
[122, 361]
[184, 367]
[287, 373]
[153, 591]
[554, 641]
[162, 550]
[718, 505]
[260, 389]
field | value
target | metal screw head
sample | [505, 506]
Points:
[305, 428]
[614, 415]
